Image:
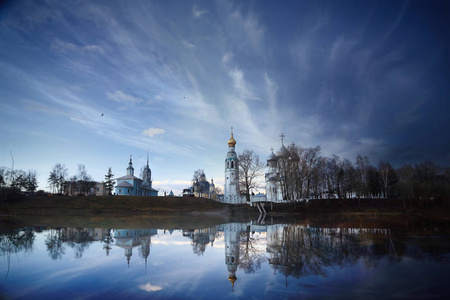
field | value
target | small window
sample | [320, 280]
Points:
[232, 164]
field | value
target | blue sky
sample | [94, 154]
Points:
[367, 77]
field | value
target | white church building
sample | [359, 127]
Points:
[131, 185]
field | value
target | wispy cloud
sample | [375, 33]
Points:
[151, 132]
[63, 47]
[122, 97]
[197, 12]
[244, 28]
[187, 44]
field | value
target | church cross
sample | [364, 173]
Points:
[282, 136]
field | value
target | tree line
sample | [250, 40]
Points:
[79, 184]
[306, 174]
[14, 183]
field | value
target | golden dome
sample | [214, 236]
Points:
[231, 141]
[232, 279]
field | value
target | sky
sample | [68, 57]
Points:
[93, 82]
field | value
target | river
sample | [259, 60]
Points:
[254, 260]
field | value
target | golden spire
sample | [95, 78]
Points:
[232, 279]
[231, 141]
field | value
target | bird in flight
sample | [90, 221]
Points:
[102, 114]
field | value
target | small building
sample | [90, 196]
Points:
[202, 188]
[84, 188]
[131, 185]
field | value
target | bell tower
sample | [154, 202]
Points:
[231, 189]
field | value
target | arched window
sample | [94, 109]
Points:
[232, 164]
[228, 164]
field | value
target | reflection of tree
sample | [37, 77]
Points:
[251, 256]
[108, 240]
[54, 244]
[15, 241]
[200, 238]
[297, 251]
[78, 239]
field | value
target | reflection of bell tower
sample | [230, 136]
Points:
[231, 232]
[128, 253]
[145, 251]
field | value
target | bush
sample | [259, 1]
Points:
[9, 194]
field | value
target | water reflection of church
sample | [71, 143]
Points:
[128, 239]
[295, 251]
[200, 238]
[232, 232]
[291, 251]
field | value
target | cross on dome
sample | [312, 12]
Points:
[231, 141]
[282, 137]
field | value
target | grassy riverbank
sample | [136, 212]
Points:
[127, 212]
[123, 211]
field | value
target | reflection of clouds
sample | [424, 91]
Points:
[150, 288]
[169, 243]
[219, 243]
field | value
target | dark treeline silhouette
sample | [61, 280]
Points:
[13, 183]
[297, 252]
[308, 175]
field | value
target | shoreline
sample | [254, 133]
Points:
[189, 212]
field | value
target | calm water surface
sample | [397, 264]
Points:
[233, 260]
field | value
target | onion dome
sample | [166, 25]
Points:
[232, 279]
[231, 141]
[272, 157]
[283, 152]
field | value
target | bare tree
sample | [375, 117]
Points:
[250, 168]
[30, 184]
[388, 177]
[362, 167]
[2, 176]
[197, 175]
[310, 163]
[218, 190]
[85, 180]
[58, 177]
